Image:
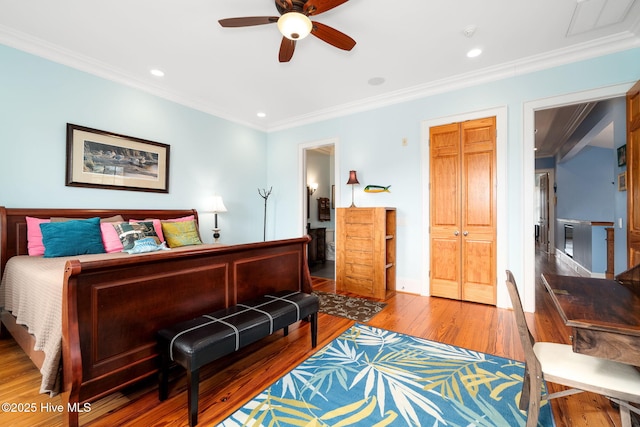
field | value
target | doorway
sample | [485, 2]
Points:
[529, 175]
[319, 170]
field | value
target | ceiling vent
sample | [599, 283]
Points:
[590, 15]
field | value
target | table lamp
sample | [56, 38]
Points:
[353, 180]
[218, 206]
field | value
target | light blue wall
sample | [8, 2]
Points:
[586, 186]
[208, 154]
[546, 163]
[587, 192]
[371, 143]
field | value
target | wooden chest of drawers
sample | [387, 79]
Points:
[366, 251]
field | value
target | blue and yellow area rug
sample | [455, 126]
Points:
[375, 377]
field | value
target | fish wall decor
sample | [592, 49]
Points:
[377, 189]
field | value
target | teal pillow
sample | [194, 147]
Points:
[75, 237]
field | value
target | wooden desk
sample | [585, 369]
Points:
[603, 314]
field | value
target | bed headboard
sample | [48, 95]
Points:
[13, 225]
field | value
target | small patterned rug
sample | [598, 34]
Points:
[358, 309]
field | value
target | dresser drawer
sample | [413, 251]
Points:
[358, 271]
[358, 256]
[359, 231]
[359, 286]
[358, 216]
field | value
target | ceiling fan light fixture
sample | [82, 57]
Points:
[294, 25]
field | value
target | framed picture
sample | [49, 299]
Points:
[622, 155]
[622, 181]
[100, 159]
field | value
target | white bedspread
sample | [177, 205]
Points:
[31, 290]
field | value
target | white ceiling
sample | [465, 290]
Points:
[418, 47]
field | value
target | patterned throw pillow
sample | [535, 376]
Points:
[182, 233]
[129, 233]
[148, 244]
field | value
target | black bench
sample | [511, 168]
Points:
[197, 342]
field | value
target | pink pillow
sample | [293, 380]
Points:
[183, 219]
[35, 247]
[110, 238]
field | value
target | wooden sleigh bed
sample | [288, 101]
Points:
[112, 308]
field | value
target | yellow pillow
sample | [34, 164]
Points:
[182, 233]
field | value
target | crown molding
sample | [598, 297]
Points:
[578, 52]
[58, 54]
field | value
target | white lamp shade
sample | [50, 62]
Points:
[218, 204]
[294, 25]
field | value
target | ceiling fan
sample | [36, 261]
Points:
[294, 24]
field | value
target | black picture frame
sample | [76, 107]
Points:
[622, 155]
[107, 160]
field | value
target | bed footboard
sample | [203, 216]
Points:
[113, 309]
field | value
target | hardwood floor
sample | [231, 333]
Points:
[229, 382]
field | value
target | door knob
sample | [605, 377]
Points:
[455, 233]
[465, 233]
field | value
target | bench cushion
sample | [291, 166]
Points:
[199, 341]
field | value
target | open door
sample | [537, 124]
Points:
[633, 176]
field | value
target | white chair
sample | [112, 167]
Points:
[557, 363]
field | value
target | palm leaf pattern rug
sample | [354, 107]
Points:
[375, 377]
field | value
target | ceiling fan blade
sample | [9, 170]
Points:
[248, 21]
[332, 36]
[286, 49]
[287, 5]
[314, 7]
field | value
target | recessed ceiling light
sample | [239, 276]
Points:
[473, 53]
[157, 73]
[261, 114]
[376, 81]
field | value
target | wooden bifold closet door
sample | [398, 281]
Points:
[463, 210]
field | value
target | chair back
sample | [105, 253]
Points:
[530, 398]
[524, 332]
